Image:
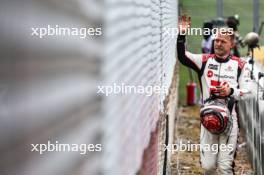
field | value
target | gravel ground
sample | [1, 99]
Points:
[188, 130]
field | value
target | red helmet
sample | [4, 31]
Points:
[215, 117]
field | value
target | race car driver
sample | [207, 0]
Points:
[223, 73]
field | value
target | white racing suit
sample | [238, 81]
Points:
[211, 72]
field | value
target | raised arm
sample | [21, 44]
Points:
[188, 59]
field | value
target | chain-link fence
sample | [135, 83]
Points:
[49, 85]
[251, 115]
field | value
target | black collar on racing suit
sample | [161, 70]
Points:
[221, 60]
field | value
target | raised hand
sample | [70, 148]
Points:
[184, 23]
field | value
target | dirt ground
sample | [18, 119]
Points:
[188, 129]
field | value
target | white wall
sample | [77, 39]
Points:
[48, 87]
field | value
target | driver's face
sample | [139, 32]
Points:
[222, 45]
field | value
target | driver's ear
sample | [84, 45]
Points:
[232, 43]
[232, 40]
